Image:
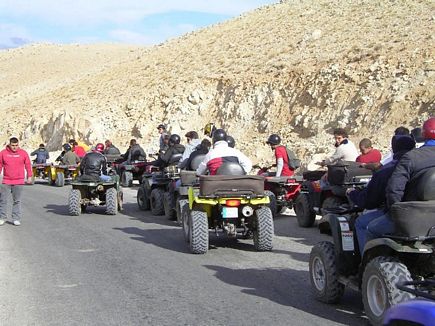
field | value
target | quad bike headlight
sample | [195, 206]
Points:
[100, 188]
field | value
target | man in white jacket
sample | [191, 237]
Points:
[345, 149]
[221, 153]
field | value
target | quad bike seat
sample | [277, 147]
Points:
[196, 161]
[346, 171]
[313, 175]
[175, 158]
[230, 168]
[188, 178]
[223, 184]
[416, 218]
[284, 179]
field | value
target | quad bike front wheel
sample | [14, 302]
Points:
[263, 231]
[74, 202]
[127, 179]
[111, 201]
[142, 199]
[379, 291]
[185, 217]
[60, 179]
[169, 205]
[120, 200]
[304, 212]
[324, 273]
[179, 204]
[198, 232]
[156, 200]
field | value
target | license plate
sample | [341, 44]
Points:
[230, 212]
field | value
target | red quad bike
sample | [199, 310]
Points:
[132, 171]
[314, 198]
[282, 191]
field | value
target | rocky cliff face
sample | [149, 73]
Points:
[297, 68]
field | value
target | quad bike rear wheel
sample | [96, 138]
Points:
[111, 201]
[74, 202]
[185, 217]
[179, 209]
[263, 231]
[127, 179]
[324, 273]
[379, 291]
[120, 200]
[156, 200]
[60, 179]
[304, 212]
[198, 232]
[169, 205]
[142, 199]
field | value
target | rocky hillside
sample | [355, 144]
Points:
[298, 68]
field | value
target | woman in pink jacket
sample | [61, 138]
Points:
[13, 162]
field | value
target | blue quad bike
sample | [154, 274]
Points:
[405, 256]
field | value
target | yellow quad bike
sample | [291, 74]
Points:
[59, 174]
[41, 171]
[234, 205]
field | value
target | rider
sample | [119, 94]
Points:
[69, 157]
[201, 149]
[192, 143]
[134, 153]
[222, 153]
[368, 153]
[372, 197]
[42, 154]
[282, 166]
[231, 141]
[345, 150]
[416, 134]
[110, 149]
[403, 181]
[209, 129]
[94, 165]
[162, 131]
[174, 148]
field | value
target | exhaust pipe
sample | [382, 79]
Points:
[247, 211]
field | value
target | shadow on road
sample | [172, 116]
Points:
[170, 239]
[132, 210]
[291, 288]
[57, 209]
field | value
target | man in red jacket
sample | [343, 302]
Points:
[13, 162]
[368, 153]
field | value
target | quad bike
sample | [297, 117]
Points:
[282, 191]
[131, 172]
[406, 255]
[155, 186]
[90, 192]
[41, 171]
[229, 203]
[60, 174]
[314, 197]
[414, 312]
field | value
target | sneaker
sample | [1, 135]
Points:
[2, 222]
[16, 222]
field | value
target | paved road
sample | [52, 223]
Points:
[135, 269]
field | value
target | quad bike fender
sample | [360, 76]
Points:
[194, 198]
[390, 244]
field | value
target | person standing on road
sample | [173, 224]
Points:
[13, 162]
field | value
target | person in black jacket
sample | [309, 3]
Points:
[174, 148]
[94, 165]
[201, 149]
[42, 155]
[373, 196]
[406, 175]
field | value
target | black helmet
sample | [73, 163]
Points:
[218, 135]
[66, 147]
[231, 142]
[161, 126]
[417, 135]
[274, 139]
[174, 139]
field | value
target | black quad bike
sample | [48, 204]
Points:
[315, 197]
[87, 192]
[406, 255]
[131, 172]
[154, 186]
[230, 203]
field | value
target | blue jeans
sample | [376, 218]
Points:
[105, 178]
[380, 226]
[9, 192]
[361, 226]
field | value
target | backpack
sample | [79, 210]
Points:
[293, 161]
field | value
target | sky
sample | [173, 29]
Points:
[139, 22]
